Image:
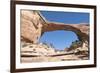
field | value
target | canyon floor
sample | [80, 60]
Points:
[43, 53]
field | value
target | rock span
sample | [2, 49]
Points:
[33, 25]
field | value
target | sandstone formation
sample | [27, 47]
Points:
[33, 26]
[43, 53]
[37, 49]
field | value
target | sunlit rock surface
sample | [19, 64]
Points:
[33, 25]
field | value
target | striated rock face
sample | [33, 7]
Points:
[33, 26]
[45, 53]
[37, 49]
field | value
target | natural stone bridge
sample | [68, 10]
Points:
[80, 30]
[33, 25]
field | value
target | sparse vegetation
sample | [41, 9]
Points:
[76, 44]
[48, 45]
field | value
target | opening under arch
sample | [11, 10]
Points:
[60, 39]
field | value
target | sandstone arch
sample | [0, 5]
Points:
[33, 25]
[80, 30]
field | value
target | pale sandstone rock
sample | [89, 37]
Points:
[33, 26]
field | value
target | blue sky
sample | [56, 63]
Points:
[62, 39]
